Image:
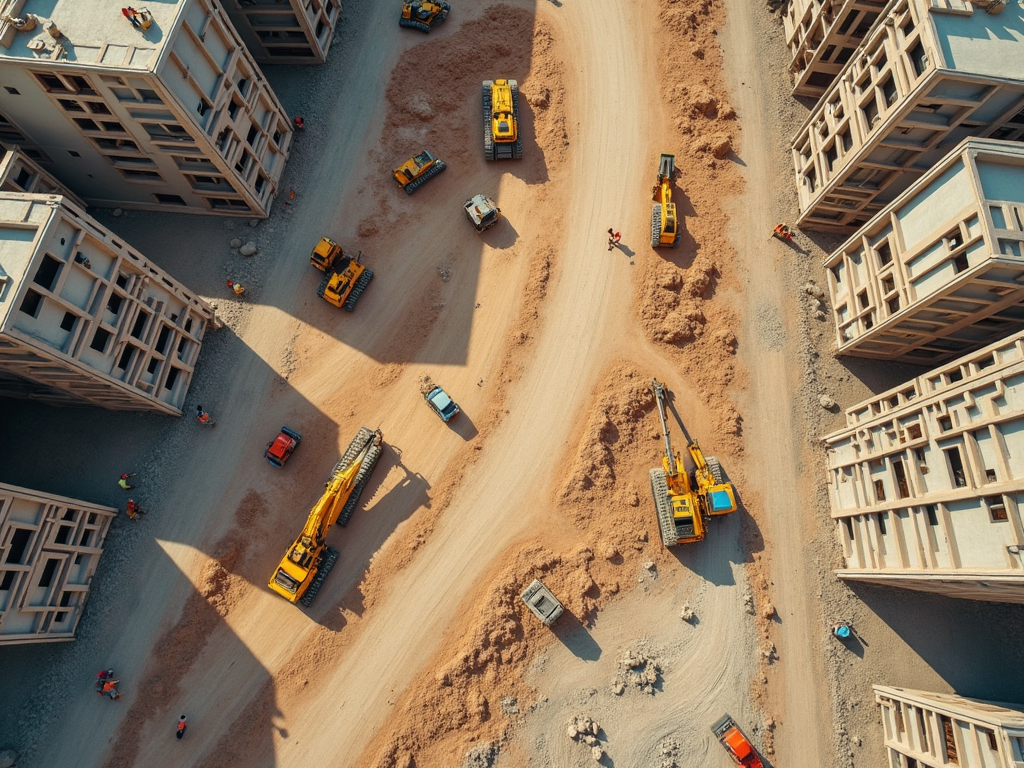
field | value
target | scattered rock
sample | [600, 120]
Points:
[248, 249]
[748, 602]
[481, 756]
[618, 688]
[235, 243]
[9, 757]
[254, 222]
[721, 147]
[420, 107]
[117, 212]
[597, 753]
[687, 614]
[571, 731]
[445, 273]
[769, 653]
[813, 290]
[826, 402]
[769, 611]
[510, 705]
[589, 740]
[819, 315]
[610, 552]
[541, 99]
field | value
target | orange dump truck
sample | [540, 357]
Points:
[735, 743]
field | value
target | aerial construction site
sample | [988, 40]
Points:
[520, 383]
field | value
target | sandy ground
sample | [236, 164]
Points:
[418, 651]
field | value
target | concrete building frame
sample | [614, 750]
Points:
[939, 271]
[926, 481]
[176, 116]
[50, 547]
[286, 31]
[925, 729]
[931, 74]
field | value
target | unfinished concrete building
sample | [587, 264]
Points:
[160, 108]
[20, 174]
[822, 36]
[285, 31]
[932, 74]
[935, 729]
[49, 549]
[85, 318]
[926, 482]
[939, 271]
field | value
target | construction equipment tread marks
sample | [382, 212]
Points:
[666, 523]
[327, 561]
[716, 469]
[357, 290]
[656, 226]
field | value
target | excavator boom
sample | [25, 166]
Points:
[306, 563]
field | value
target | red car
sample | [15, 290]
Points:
[281, 447]
[735, 743]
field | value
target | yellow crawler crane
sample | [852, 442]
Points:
[683, 500]
[664, 226]
[307, 562]
[501, 120]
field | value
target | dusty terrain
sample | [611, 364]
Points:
[418, 652]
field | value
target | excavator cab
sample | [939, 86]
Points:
[664, 225]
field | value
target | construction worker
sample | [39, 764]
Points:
[110, 688]
[783, 232]
[300, 124]
[182, 725]
[236, 287]
[204, 418]
[123, 482]
[134, 510]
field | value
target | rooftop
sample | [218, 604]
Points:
[94, 32]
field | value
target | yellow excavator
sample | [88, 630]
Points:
[307, 562]
[683, 499]
[501, 120]
[664, 226]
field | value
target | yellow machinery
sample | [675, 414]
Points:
[423, 15]
[345, 276]
[664, 226]
[501, 120]
[304, 567]
[417, 170]
[682, 499]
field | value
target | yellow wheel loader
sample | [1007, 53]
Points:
[344, 280]
[501, 120]
[417, 170]
[423, 15]
[664, 226]
[305, 565]
[683, 500]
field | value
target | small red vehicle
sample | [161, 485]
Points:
[735, 743]
[281, 447]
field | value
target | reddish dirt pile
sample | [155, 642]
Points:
[219, 587]
[675, 295]
[583, 561]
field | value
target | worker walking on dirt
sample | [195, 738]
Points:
[182, 725]
[204, 418]
[123, 482]
[134, 510]
[110, 688]
[613, 238]
[783, 232]
[236, 287]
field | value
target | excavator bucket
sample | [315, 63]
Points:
[667, 166]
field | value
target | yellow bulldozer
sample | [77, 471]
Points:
[302, 570]
[422, 15]
[684, 499]
[501, 120]
[345, 276]
[664, 226]
[418, 170]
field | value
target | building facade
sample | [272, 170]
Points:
[933, 73]
[85, 318]
[49, 549]
[160, 110]
[929, 730]
[285, 31]
[926, 481]
[939, 271]
[20, 174]
[822, 36]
